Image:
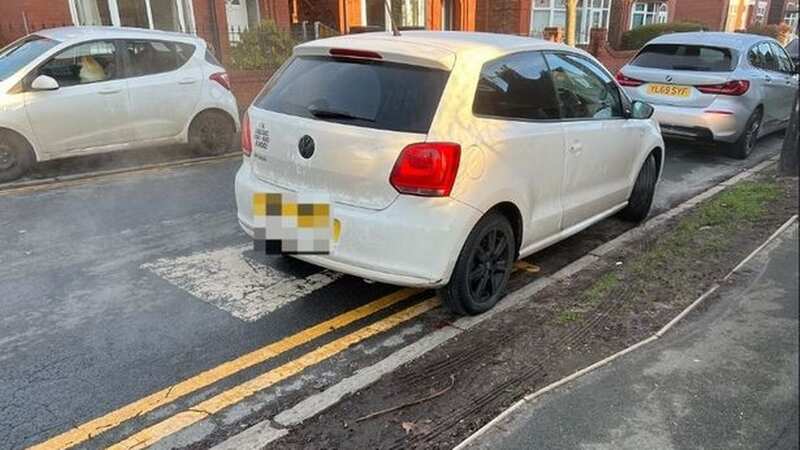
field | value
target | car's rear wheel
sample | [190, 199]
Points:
[16, 156]
[211, 133]
[483, 268]
[743, 147]
[641, 199]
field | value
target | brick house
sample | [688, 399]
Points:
[784, 11]
[349, 15]
[211, 19]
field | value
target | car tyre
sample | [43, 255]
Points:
[743, 146]
[16, 156]
[641, 199]
[483, 268]
[211, 133]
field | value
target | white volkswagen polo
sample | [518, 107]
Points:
[447, 156]
[80, 90]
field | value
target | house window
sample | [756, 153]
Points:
[553, 13]
[791, 19]
[408, 13]
[167, 15]
[648, 13]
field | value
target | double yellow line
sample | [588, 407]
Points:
[177, 422]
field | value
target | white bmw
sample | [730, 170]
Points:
[448, 156]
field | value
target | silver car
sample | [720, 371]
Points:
[722, 87]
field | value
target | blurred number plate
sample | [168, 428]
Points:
[668, 90]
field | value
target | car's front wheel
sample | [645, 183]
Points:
[641, 199]
[16, 156]
[483, 267]
[211, 133]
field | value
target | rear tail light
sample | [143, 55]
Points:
[628, 81]
[735, 87]
[247, 139]
[427, 169]
[222, 78]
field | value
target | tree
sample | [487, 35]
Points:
[789, 153]
[572, 14]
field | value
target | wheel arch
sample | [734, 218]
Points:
[213, 109]
[511, 212]
[27, 140]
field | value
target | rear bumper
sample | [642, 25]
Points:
[413, 242]
[700, 124]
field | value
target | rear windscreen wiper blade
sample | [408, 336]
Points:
[331, 114]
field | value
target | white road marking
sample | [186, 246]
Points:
[246, 288]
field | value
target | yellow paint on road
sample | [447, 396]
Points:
[165, 396]
[236, 394]
[526, 267]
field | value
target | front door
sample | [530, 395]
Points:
[601, 145]
[518, 118]
[236, 10]
[90, 108]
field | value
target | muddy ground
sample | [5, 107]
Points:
[624, 298]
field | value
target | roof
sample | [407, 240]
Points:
[453, 41]
[419, 47]
[84, 33]
[720, 39]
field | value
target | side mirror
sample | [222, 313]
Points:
[44, 83]
[641, 110]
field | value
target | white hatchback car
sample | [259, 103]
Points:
[75, 91]
[447, 156]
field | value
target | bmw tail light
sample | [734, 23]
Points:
[426, 169]
[628, 81]
[735, 88]
[247, 138]
[222, 78]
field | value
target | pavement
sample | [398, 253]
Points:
[112, 289]
[726, 378]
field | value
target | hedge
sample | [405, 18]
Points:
[637, 37]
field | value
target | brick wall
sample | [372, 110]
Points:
[711, 13]
[503, 16]
[37, 13]
[246, 84]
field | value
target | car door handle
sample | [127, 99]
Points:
[188, 81]
[109, 91]
[768, 78]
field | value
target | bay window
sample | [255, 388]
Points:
[407, 13]
[553, 13]
[167, 15]
[647, 13]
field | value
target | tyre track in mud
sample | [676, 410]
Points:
[505, 393]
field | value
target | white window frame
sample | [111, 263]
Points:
[587, 10]
[113, 8]
[387, 17]
[658, 14]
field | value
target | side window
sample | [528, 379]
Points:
[784, 63]
[91, 62]
[754, 56]
[583, 89]
[151, 57]
[516, 87]
[185, 52]
[768, 58]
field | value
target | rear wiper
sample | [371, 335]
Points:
[330, 114]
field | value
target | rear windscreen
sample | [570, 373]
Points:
[381, 95]
[685, 57]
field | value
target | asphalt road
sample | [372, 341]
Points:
[115, 288]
